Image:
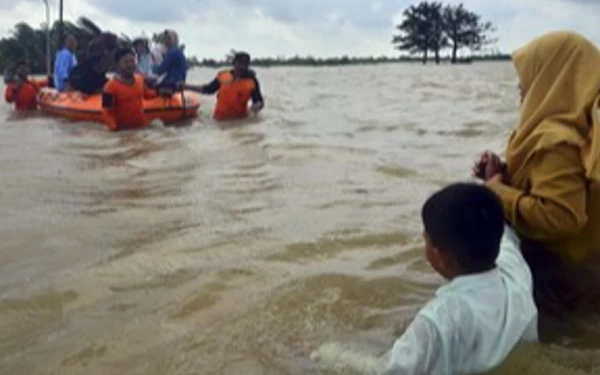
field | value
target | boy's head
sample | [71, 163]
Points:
[126, 64]
[464, 223]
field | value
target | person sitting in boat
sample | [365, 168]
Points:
[89, 77]
[550, 182]
[123, 96]
[64, 63]
[159, 50]
[106, 41]
[22, 90]
[173, 66]
[144, 57]
[235, 89]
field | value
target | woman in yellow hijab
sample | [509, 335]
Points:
[550, 183]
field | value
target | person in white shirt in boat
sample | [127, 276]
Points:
[487, 307]
[143, 56]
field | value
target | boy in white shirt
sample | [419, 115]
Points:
[474, 321]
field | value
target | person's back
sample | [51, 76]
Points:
[89, 77]
[475, 320]
[86, 79]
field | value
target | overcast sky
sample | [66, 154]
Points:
[210, 28]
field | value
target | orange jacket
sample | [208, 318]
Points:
[24, 96]
[233, 94]
[123, 104]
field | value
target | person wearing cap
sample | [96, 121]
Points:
[235, 88]
[123, 96]
[174, 65]
[22, 90]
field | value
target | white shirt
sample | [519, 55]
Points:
[473, 322]
[157, 54]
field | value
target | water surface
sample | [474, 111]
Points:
[203, 249]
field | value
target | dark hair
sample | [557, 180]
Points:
[110, 40]
[122, 52]
[141, 41]
[465, 220]
[103, 42]
[242, 57]
[20, 63]
[67, 37]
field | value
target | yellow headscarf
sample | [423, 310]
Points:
[561, 73]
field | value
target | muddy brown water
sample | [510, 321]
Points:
[203, 249]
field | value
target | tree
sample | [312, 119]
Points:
[465, 29]
[437, 37]
[422, 30]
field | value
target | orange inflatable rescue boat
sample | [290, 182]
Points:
[75, 106]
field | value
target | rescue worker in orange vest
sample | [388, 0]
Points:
[123, 96]
[22, 90]
[235, 88]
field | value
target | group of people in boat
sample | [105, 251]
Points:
[141, 73]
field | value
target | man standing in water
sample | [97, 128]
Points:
[22, 90]
[235, 88]
[123, 95]
[64, 63]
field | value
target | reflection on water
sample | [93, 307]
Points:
[206, 249]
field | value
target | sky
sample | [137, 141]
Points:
[211, 28]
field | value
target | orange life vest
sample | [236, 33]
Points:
[233, 97]
[25, 98]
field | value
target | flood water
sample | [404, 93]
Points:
[203, 249]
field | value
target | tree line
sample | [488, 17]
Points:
[311, 61]
[431, 26]
[426, 27]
